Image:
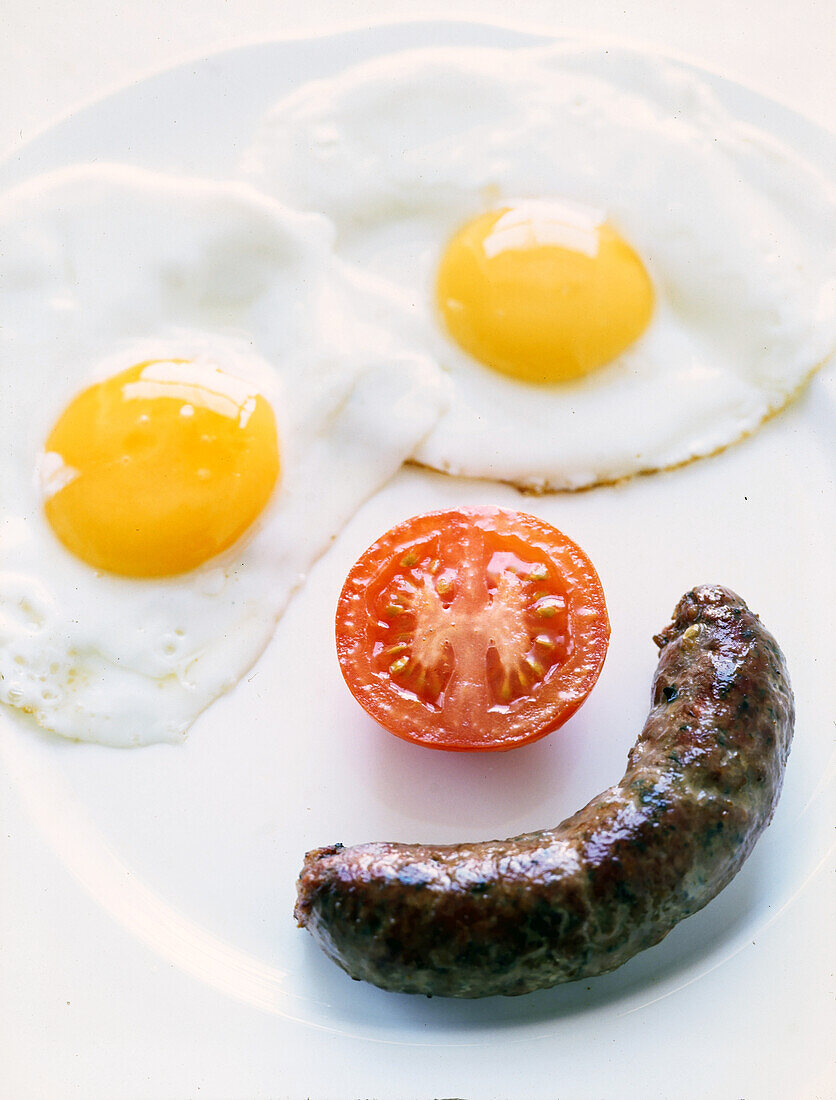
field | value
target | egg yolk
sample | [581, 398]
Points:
[159, 468]
[543, 291]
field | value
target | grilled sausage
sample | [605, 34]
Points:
[511, 916]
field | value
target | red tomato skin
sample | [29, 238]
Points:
[464, 716]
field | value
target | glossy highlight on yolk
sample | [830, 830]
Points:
[543, 291]
[159, 468]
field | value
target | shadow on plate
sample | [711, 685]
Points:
[443, 791]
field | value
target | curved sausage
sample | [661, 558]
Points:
[508, 917]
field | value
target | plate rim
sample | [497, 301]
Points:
[349, 28]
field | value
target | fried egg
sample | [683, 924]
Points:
[617, 274]
[196, 397]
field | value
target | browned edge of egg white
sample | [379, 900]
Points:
[548, 489]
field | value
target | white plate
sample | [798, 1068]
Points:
[146, 936]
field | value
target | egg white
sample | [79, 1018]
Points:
[105, 267]
[738, 235]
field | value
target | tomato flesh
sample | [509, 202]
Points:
[478, 629]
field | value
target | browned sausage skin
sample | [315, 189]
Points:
[511, 916]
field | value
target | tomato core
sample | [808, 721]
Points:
[468, 630]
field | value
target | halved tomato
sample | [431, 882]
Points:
[472, 630]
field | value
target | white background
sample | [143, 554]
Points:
[54, 56]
